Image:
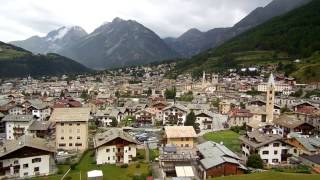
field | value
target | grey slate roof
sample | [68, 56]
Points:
[310, 143]
[26, 141]
[215, 154]
[257, 139]
[102, 138]
[18, 118]
[40, 125]
[38, 104]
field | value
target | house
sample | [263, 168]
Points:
[104, 117]
[224, 107]
[180, 136]
[41, 129]
[290, 123]
[114, 146]
[303, 144]
[39, 109]
[17, 125]
[271, 148]
[239, 117]
[26, 157]
[71, 128]
[204, 119]
[146, 116]
[175, 114]
[217, 160]
[17, 110]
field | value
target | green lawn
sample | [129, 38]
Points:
[229, 138]
[271, 175]
[110, 172]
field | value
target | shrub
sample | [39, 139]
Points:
[255, 161]
[138, 166]
[124, 166]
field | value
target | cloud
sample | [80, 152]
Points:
[21, 19]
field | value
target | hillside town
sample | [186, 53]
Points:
[216, 125]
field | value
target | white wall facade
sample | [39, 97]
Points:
[10, 125]
[27, 166]
[108, 154]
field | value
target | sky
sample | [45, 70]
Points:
[21, 19]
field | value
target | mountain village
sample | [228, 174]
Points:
[217, 125]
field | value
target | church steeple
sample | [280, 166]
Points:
[271, 87]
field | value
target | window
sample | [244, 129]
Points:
[25, 166]
[186, 145]
[181, 139]
[276, 144]
[275, 160]
[181, 145]
[114, 158]
[108, 158]
[36, 169]
[62, 144]
[78, 137]
[78, 144]
[62, 138]
[70, 124]
[295, 150]
[114, 150]
[70, 137]
[62, 124]
[275, 152]
[78, 124]
[265, 152]
[70, 144]
[35, 160]
[187, 139]
[107, 150]
[15, 162]
[16, 171]
[129, 148]
[25, 174]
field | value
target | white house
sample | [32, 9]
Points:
[270, 147]
[17, 125]
[16, 110]
[114, 146]
[26, 157]
[175, 114]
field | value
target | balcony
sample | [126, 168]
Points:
[121, 153]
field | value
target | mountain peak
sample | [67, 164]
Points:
[117, 20]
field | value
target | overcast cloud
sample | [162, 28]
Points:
[21, 19]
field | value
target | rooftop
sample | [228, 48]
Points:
[180, 131]
[70, 114]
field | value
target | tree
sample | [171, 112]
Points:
[255, 161]
[215, 103]
[62, 94]
[170, 93]
[114, 122]
[149, 92]
[128, 120]
[84, 95]
[191, 121]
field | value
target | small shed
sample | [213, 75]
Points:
[95, 175]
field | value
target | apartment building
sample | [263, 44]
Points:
[71, 128]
